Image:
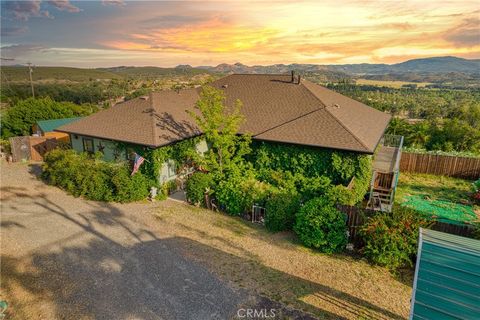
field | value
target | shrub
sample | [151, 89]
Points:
[236, 194]
[280, 208]
[391, 238]
[197, 184]
[320, 225]
[82, 175]
[127, 188]
[230, 196]
[476, 191]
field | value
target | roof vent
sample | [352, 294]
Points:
[225, 86]
[336, 106]
[144, 97]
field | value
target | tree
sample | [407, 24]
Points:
[18, 120]
[220, 124]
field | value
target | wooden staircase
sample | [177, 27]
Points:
[385, 175]
[380, 199]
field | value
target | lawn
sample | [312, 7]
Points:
[443, 198]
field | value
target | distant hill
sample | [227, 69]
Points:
[438, 64]
[153, 72]
[20, 73]
[427, 65]
[432, 70]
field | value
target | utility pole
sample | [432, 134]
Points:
[30, 70]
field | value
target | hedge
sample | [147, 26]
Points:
[89, 177]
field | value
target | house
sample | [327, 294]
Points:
[277, 108]
[447, 277]
[46, 128]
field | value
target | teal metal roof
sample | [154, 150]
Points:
[447, 277]
[50, 125]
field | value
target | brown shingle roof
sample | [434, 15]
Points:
[275, 110]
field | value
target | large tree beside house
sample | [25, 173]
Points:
[220, 125]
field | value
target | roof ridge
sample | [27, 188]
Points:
[333, 116]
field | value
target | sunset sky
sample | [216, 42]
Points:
[112, 33]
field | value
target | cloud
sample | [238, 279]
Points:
[64, 5]
[21, 50]
[467, 34]
[23, 10]
[113, 2]
[170, 21]
[13, 31]
[214, 35]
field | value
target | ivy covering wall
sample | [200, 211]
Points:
[329, 171]
[182, 152]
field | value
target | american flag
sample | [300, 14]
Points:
[138, 162]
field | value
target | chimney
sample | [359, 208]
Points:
[293, 76]
[299, 79]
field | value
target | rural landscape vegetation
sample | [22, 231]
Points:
[108, 239]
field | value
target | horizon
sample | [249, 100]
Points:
[112, 33]
[216, 65]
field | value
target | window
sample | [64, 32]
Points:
[88, 145]
[168, 171]
[172, 170]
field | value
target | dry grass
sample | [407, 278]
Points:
[246, 256]
[390, 84]
[276, 266]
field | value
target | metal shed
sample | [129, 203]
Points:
[447, 277]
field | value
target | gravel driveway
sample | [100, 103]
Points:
[64, 257]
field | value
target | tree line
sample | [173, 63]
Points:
[431, 119]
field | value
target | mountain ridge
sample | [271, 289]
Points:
[443, 64]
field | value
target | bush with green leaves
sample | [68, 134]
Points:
[89, 177]
[237, 193]
[281, 207]
[198, 184]
[321, 226]
[18, 119]
[391, 238]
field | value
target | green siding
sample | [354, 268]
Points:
[447, 277]
[108, 151]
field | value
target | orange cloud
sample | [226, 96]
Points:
[313, 32]
[214, 35]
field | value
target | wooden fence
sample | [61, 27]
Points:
[31, 148]
[356, 217]
[453, 166]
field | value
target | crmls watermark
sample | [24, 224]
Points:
[256, 313]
